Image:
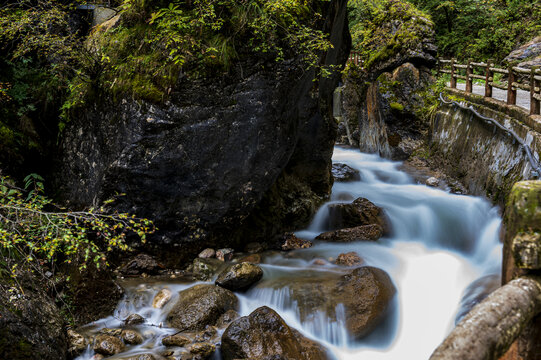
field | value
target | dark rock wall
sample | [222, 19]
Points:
[220, 151]
[31, 326]
[386, 111]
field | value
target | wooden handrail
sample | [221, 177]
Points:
[355, 58]
[515, 79]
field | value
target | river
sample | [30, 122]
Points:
[442, 252]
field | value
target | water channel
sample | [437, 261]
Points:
[442, 254]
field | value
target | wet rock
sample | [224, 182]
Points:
[198, 149]
[359, 212]
[264, 334]
[131, 337]
[345, 173]
[206, 335]
[142, 357]
[110, 332]
[201, 305]
[162, 297]
[175, 340]
[253, 258]
[432, 181]
[291, 242]
[225, 254]
[108, 345]
[134, 319]
[207, 253]
[358, 233]
[140, 264]
[365, 293]
[319, 262]
[239, 276]
[77, 343]
[97, 357]
[227, 318]
[349, 259]
[203, 349]
[205, 269]
[254, 248]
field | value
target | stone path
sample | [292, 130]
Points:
[523, 97]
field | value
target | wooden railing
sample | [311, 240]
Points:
[515, 78]
[355, 58]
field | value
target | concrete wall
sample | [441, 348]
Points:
[486, 160]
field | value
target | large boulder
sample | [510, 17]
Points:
[359, 212]
[239, 276]
[201, 305]
[246, 154]
[264, 335]
[366, 294]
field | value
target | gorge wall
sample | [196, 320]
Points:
[228, 160]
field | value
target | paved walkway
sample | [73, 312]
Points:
[523, 97]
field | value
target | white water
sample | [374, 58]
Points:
[439, 244]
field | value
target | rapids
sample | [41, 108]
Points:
[442, 254]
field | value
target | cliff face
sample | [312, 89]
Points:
[383, 96]
[221, 151]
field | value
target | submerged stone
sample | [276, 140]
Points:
[291, 242]
[358, 233]
[349, 259]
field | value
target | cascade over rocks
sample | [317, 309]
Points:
[366, 294]
[246, 155]
[264, 335]
[201, 305]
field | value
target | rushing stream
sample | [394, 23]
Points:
[440, 243]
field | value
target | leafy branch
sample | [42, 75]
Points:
[31, 231]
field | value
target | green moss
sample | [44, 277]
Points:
[524, 204]
[396, 106]
[382, 29]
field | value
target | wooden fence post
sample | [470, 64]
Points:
[469, 79]
[453, 78]
[511, 93]
[535, 108]
[489, 77]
